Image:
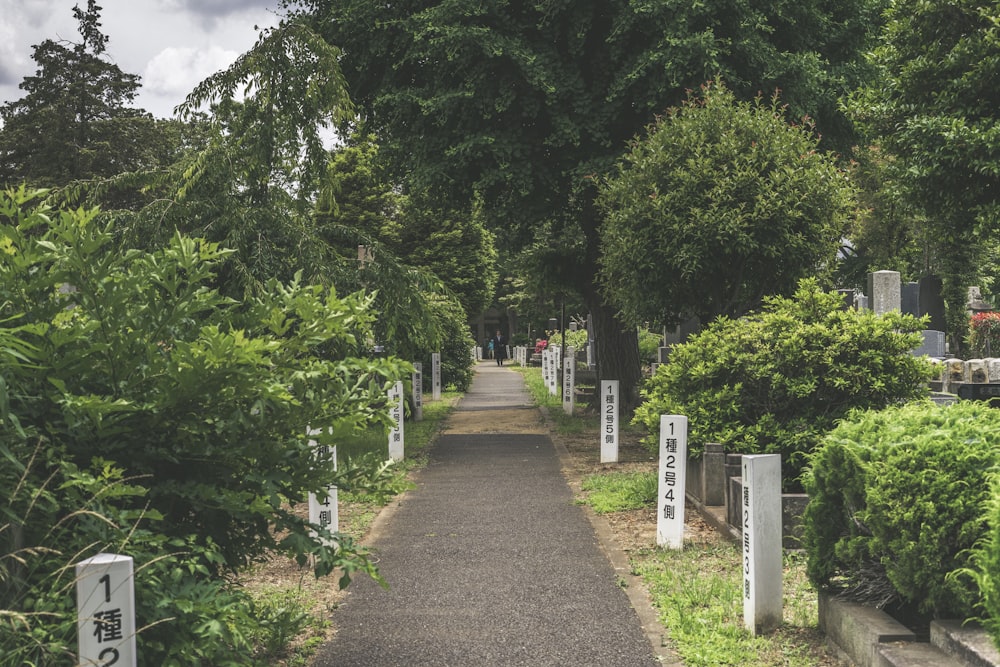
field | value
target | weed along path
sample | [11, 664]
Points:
[489, 561]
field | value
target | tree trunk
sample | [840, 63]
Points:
[616, 344]
[616, 347]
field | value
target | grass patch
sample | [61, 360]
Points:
[617, 491]
[565, 424]
[698, 592]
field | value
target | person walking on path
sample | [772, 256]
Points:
[488, 560]
[499, 344]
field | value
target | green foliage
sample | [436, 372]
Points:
[983, 565]
[138, 361]
[985, 337]
[934, 107]
[897, 500]
[649, 345]
[523, 104]
[775, 381]
[122, 369]
[456, 346]
[721, 204]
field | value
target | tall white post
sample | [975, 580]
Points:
[673, 481]
[396, 412]
[554, 372]
[323, 508]
[105, 603]
[569, 381]
[418, 391]
[762, 542]
[609, 421]
[436, 376]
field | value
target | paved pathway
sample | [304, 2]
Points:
[489, 562]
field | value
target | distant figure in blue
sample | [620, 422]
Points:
[499, 345]
[490, 346]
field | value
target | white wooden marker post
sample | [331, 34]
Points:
[105, 603]
[761, 542]
[436, 376]
[673, 481]
[323, 510]
[569, 381]
[609, 423]
[396, 433]
[418, 391]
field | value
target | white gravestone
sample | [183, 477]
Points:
[884, 291]
[418, 391]
[673, 481]
[569, 381]
[105, 603]
[436, 376]
[762, 542]
[396, 413]
[609, 421]
[323, 508]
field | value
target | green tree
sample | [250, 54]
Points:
[74, 121]
[722, 204]
[455, 246]
[523, 103]
[934, 104]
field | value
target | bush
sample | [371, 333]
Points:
[128, 368]
[984, 337]
[777, 380]
[896, 500]
[984, 566]
[456, 348]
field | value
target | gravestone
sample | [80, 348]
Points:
[910, 299]
[418, 391]
[933, 345]
[884, 290]
[931, 302]
[993, 370]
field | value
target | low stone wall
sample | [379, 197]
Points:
[714, 480]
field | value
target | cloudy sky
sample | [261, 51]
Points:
[171, 44]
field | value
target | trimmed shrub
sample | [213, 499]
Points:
[984, 566]
[777, 380]
[984, 336]
[897, 499]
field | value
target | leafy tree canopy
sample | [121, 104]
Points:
[523, 102]
[74, 121]
[723, 203]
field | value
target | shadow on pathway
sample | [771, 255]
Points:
[488, 560]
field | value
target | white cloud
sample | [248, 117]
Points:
[174, 71]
